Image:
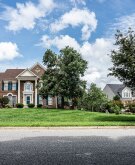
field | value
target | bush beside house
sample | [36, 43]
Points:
[3, 102]
[31, 105]
[19, 105]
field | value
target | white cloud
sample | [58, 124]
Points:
[75, 2]
[123, 23]
[26, 14]
[95, 53]
[98, 60]
[77, 17]
[59, 42]
[8, 51]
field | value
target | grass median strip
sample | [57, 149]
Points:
[49, 117]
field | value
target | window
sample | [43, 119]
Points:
[5, 86]
[40, 100]
[50, 100]
[28, 86]
[127, 94]
[14, 86]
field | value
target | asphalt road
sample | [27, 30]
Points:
[66, 147]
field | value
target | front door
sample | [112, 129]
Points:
[27, 100]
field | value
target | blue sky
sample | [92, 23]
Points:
[29, 27]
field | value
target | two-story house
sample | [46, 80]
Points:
[20, 86]
[121, 90]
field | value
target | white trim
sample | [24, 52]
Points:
[6, 81]
[24, 98]
[35, 93]
[9, 94]
[128, 92]
[25, 71]
[30, 84]
[18, 91]
[37, 63]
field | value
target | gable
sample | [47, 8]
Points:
[38, 70]
[108, 92]
[126, 89]
[27, 73]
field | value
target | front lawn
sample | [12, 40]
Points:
[43, 117]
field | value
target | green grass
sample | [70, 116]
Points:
[43, 117]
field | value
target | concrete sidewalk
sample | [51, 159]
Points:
[17, 133]
[70, 127]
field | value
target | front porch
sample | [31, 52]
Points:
[27, 88]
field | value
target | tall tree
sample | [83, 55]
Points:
[123, 58]
[49, 78]
[93, 99]
[63, 74]
[96, 97]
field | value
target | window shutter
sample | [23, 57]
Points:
[37, 99]
[9, 86]
[17, 86]
[2, 86]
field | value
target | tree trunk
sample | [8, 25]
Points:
[62, 102]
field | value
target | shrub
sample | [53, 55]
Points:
[31, 105]
[8, 106]
[4, 101]
[19, 105]
[39, 106]
[108, 106]
[117, 110]
[131, 107]
[118, 103]
[116, 98]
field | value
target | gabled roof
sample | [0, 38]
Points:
[116, 88]
[37, 63]
[26, 71]
[10, 74]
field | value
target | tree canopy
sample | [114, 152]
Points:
[94, 99]
[63, 74]
[123, 58]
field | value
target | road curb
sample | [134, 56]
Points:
[68, 128]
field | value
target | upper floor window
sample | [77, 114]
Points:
[5, 86]
[14, 86]
[28, 86]
[127, 94]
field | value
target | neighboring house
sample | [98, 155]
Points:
[121, 90]
[19, 85]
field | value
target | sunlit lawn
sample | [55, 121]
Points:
[43, 117]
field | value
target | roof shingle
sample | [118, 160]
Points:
[10, 74]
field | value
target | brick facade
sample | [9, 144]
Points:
[22, 76]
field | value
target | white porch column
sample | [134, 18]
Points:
[18, 91]
[36, 93]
